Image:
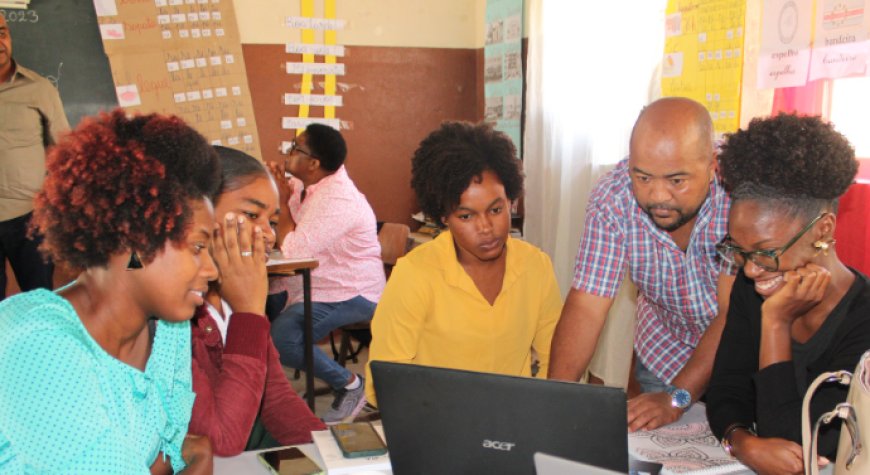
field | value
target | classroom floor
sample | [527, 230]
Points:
[322, 402]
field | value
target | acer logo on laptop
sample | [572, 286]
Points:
[498, 445]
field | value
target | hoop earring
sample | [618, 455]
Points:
[134, 263]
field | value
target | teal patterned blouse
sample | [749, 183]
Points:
[67, 406]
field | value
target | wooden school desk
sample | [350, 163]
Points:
[287, 267]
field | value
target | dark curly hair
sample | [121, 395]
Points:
[450, 157]
[798, 163]
[327, 145]
[117, 183]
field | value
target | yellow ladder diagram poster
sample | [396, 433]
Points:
[703, 57]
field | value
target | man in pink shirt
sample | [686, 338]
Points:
[327, 218]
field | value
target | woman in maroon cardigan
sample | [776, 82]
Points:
[243, 398]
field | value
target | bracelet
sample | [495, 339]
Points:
[726, 438]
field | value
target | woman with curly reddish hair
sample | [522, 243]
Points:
[796, 310]
[91, 383]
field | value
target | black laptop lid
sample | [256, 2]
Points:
[445, 421]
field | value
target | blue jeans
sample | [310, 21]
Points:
[288, 333]
[649, 382]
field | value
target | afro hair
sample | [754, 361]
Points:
[789, 155]
[452, 156]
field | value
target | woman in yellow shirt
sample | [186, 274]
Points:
[473, 298]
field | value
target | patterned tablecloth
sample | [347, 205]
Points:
[685, 447]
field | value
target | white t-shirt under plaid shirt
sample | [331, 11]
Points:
[676, 290]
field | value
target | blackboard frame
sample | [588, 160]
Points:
[60, 39]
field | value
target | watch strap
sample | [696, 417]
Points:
[726, 436]
[680, 398]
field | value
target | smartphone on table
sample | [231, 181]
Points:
[358, 439]
[289, 461]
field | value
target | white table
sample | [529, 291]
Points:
[247, 462]
[694, 421]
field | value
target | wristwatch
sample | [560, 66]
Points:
[680, 398]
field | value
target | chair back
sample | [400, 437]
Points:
[393, 238]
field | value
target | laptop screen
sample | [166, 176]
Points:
[439, 420]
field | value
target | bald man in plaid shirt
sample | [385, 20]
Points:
[662, 212]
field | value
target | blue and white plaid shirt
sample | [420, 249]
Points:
[677, 290]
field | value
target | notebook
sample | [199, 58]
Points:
[440, 421]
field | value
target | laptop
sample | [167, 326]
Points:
[546, 464]
[439, 421]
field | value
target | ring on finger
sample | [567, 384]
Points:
[247, 253]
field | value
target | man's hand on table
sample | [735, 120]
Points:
[650, 411]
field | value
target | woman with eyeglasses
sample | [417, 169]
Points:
[796, 310]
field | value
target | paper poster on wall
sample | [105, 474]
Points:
[211, 98]
[841, 47]
[105, 7]
[784, 56]
[291, 123]
[503, 67]
[320, 69]
[128, 95]
[323, 50]
[313, 99]
[317, 55]
[182, 58]
[703, 57]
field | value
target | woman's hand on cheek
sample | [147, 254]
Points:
[804, 288]
[240, 254]
[285, 185]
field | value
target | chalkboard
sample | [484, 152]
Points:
[60, 39]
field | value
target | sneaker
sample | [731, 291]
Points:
[347, 404]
